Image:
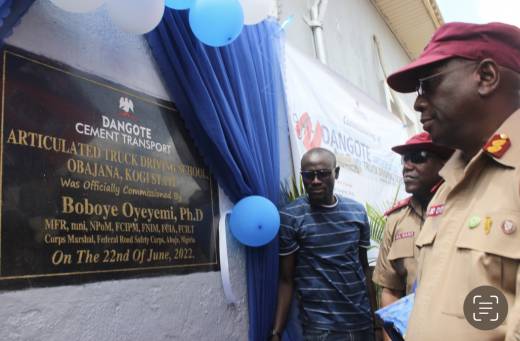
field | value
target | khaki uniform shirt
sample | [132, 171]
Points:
[397, 261]
[454, 258]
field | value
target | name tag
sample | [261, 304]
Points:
[435, 210]
[404, 235]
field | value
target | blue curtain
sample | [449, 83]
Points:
[229, 98]
[10, 13]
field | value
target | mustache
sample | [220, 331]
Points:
[433, 114]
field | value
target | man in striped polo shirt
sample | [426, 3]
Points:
[323, 255]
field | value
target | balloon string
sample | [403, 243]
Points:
[224, 260]
[286, 22]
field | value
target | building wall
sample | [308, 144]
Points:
[187, 307]
[348, 29]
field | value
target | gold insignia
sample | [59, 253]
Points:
[488, 222]
[498, 145]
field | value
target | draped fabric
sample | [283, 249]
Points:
[10, 13]
[229, 98]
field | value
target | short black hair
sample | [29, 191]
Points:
[321, 151]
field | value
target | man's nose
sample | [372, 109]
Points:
[420, 103]
[408, 165]
[315, 179]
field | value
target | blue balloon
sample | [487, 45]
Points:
[254, 221]
[179, 4]
[216, 22]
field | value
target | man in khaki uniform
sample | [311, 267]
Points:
[397, 262]
[468, 84]
[396, 265]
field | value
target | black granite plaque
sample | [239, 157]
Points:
[97, 181]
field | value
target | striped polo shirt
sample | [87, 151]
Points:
[329, 277]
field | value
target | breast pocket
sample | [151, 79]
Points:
[402, 257]
[401, 248]
[423, 247]
[487, 254]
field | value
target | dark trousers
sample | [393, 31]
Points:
[329, 335]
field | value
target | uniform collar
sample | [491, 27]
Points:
[455, 168]
[308, 201]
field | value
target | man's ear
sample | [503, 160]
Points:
[336, 171]
[488, 76]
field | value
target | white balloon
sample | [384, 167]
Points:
[255, 10]
[78, 6]
[136, 16]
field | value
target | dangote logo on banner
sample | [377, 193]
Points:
[310, 139]
[336, 140]
[119, 130]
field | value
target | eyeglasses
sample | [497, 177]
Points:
[322, 174]
[422, 90]
[415, 157]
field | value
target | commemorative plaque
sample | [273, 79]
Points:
[97, 181]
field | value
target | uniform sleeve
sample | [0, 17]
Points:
[288, 235]
[513, 318]
[364, 236]
[384, 273]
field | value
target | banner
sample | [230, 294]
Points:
[327, 111]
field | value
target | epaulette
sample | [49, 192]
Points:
[497, 145]
[398, 205]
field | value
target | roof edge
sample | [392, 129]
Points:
[434, 12]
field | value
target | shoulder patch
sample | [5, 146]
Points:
[497, 145]
[398, 205]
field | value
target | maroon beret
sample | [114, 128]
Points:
[422, 141]
[495, 40]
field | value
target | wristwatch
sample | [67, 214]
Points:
[274, 332]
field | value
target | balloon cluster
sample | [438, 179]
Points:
[214, 22]
[134, 16]
[254, 221]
